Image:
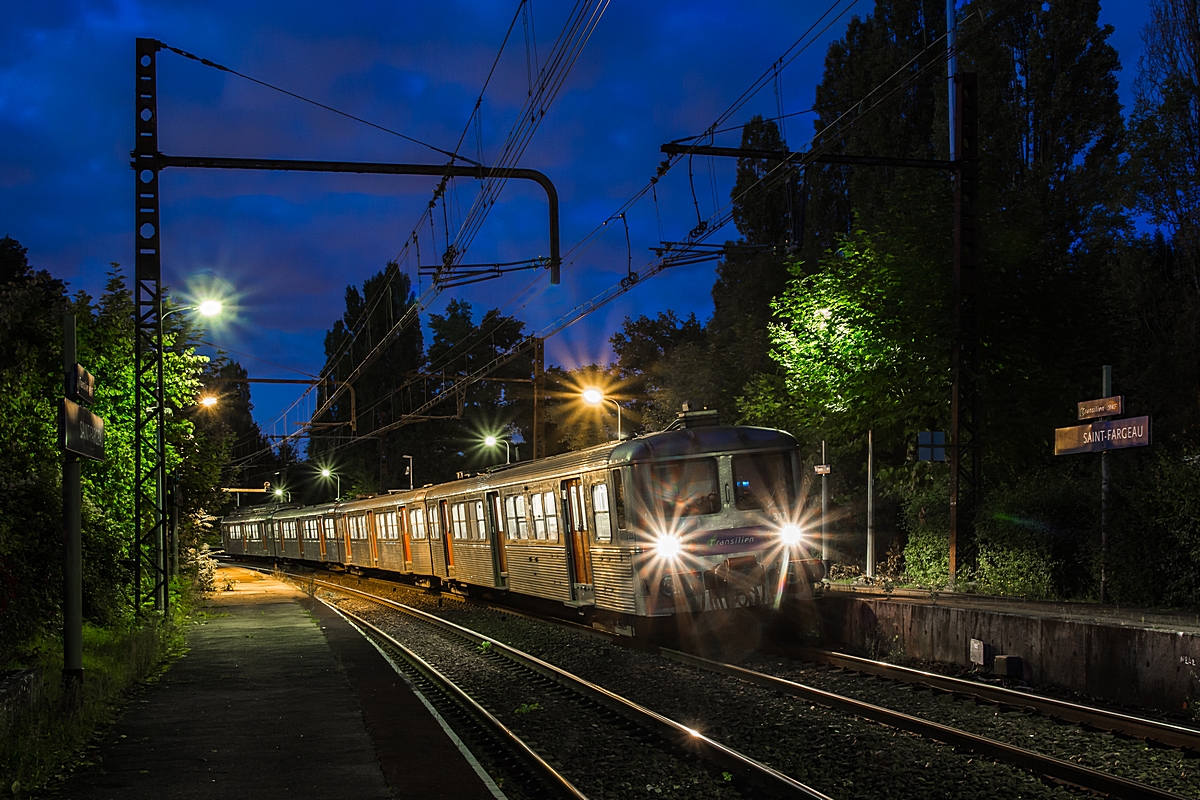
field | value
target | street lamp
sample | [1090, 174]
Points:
[209, 308]
[492, 441]
[279, 493]
[327, 473]
[208, 401]
[594, 397]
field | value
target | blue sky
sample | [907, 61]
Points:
[285, 246]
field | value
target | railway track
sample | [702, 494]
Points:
[583, 702]
[462, 713]
[1149, 730]
[1056, 769]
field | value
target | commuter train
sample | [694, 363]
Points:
[696, 517]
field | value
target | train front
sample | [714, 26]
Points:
[717, 517]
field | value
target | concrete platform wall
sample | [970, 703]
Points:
[1121, 663]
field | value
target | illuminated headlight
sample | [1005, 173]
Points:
[790, 534]
[668, 545]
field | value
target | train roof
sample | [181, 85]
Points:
[662, 445]
[690, 442]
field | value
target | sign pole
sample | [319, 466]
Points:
[72, 491]
[1106, 391]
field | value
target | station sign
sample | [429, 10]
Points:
[83, 385]
[1104, 407]
[822, 469]
[1113, 434]
[80, 431]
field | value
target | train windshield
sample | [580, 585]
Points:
[764, 481]
[676, 489]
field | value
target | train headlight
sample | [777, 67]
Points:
[790, 534]
[668, 545]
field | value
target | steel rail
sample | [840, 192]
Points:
[1138, 727]
[502, 731]
[1083, 777]
[757, 773]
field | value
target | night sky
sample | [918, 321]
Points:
[282, 247]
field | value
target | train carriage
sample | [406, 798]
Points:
[390, 544]
[699, 516]
[357, 518]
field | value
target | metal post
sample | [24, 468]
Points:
[175, 524]
[870, 504]
[149, 517]
[409, 459]
[1106, 391]
[951, 71]
[824, 508]
[539, 398]
[72, 490]
[965, 455]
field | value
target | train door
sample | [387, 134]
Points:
[372, 530]
[402, 520]
[582, 589]
[496, 536]
[447, 547]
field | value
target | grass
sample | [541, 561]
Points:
[49, 742]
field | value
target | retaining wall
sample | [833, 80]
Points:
[1117, 662]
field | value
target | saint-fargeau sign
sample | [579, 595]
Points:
[1113, 434]
[81, 431]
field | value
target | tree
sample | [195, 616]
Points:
[368, 326]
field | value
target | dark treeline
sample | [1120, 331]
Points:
[844, 327]
[199, 444]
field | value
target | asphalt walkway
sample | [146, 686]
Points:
[278, 697]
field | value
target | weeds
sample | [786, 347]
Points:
[484, 647]
[48, 742]
[526, 708]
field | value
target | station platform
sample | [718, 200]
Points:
[277, 697]
[1144, 658]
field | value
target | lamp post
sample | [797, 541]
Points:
[162, 531]
[594, 397]
[327, 473]
[280, 493]
[492, 441]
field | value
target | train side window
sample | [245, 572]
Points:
[539, 518]
[480, 522]
[416, 520]
[600, 509]
[435, 529]
[330, 532]
[619, 497]
[551, 517]
[514, 512]
[458, 520]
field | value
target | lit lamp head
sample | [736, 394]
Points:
[210, 308]
[279, 492]
[790, 534]
[208, 401]
[593, 397]
[326, 473]
[490, 441]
